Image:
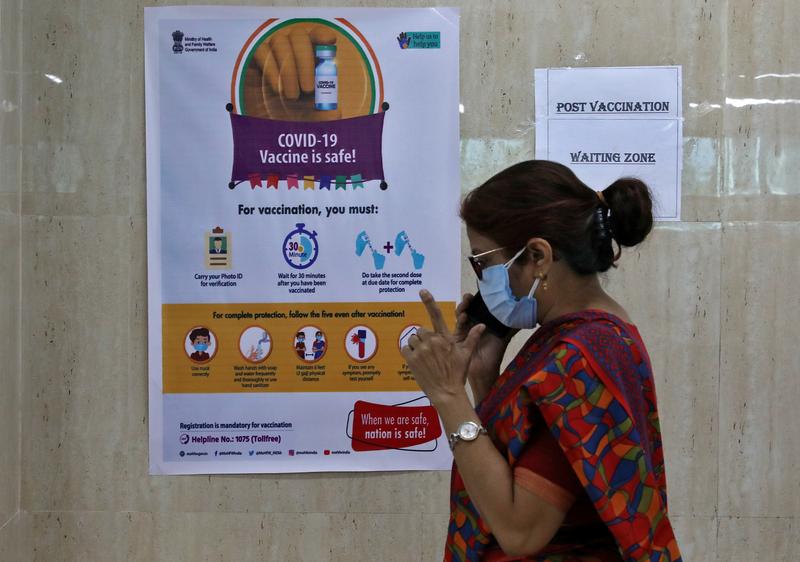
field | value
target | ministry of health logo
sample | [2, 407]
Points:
[177, 38]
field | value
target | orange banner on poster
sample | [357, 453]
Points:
[319, 347]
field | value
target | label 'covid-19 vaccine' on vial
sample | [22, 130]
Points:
[326, 80]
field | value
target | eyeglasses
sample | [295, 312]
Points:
[478, 265]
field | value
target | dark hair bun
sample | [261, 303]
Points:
[631, 210]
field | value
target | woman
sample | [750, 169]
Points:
[561, 460]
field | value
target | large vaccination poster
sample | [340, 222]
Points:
[302, 187]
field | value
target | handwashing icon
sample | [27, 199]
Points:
[400, 243]
[362, 241]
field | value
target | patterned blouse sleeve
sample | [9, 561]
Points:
[539, 464]
[543, 470]
[601, 444]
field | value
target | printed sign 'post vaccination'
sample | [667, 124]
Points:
[606, 123]
[303, 185]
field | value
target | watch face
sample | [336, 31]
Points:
[468, 431]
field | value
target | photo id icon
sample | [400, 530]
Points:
[218, 249]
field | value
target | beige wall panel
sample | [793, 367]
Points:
[759, 446]
[10, 124]
[10, 461]
[107, 536]
[16, 540]
[481, 158]
[765, 539]
[76, 376]
[234, 537]
[762, 112]
[434, 533]
[77, 157]
[9, 369]
[697, 537]
[10, 128]
[402, 493]
[9, 273]
[10, 36]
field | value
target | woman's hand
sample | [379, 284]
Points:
[440, 360]
[485, 365]
[521, 521]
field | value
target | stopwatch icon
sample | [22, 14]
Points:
[300, 247]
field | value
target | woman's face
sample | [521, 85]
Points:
[518, 280]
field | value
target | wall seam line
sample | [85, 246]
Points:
[719, 377]
[720, 320]
[172, 513]
[19, 250]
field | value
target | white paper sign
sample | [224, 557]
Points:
[607, 123]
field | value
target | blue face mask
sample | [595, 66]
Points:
[201, 346]
[501, 302]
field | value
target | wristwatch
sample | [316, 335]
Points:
[467, 431]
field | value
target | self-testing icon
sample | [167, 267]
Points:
[361, 343]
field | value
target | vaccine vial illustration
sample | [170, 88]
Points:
[326, 79]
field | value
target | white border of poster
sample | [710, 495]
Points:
[286, 239]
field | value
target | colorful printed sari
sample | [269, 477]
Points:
[575, 415]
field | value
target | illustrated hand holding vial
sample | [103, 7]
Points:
[299, 74]
[401, 242]
[362, 241]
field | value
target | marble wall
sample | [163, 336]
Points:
[10, 128]
[714, 295]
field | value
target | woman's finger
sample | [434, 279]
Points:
[435, 313]
[470, 343]
[414, 340]
[464, 304]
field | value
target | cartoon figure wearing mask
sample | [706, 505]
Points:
[200, 338]
[319, 345]
[300, 345]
